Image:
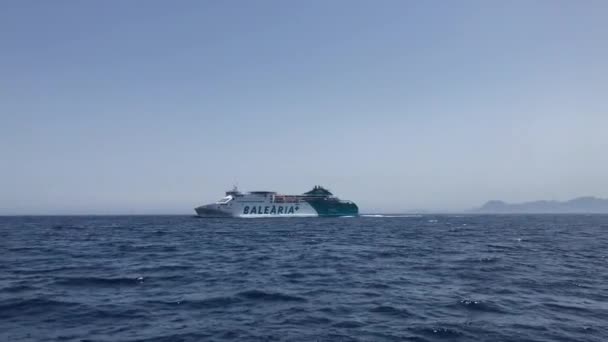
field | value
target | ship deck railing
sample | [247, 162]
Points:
[297, 198]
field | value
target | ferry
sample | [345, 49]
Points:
[314, 203]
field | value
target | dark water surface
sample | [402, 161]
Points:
[421, 278]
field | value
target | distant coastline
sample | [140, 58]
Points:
[580, 205]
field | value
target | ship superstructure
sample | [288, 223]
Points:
[316, 202]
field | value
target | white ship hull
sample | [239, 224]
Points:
[257, 209]
[266, 204]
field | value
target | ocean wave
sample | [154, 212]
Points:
[348, 324]
[67, 226]
[391, 310]
[479, 305]
[32, 306]
[501, 247]
[566, 307]
[196, 304]
[99, 281]
[377, 285]
[181, 337]
[17, 288]
[438, 331]
[489, 259]
[307, 320]
[164, 268]
[294, 275]
[59, 269]
[270, 296]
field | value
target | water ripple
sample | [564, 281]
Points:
[384, 278]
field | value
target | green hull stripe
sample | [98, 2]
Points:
[328, 207]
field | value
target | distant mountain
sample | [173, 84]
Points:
[577, 205]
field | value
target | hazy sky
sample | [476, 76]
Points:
[159, 106]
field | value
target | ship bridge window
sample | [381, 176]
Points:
[224, 200]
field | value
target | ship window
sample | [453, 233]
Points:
[224, 200]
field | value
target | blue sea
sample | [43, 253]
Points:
[375, 278]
